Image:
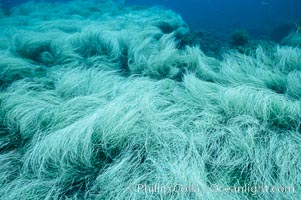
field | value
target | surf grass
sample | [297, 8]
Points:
[97, 99]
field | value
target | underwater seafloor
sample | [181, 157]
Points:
[102, 101]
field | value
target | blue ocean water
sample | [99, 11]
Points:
[221, 17]
[259, 17]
